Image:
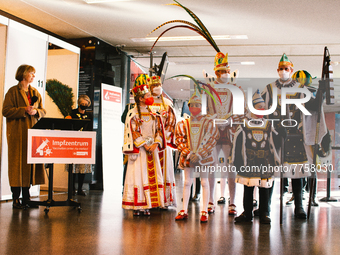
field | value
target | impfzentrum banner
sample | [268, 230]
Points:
[64, 147]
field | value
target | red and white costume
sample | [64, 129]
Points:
[143, 188]
[198, 136]
[166, 156]
[224, 144]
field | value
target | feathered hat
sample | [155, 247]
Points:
[141, 86]
[221, 62]
[257, 98]
[284, 61]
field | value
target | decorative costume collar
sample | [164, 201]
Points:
[287, 84]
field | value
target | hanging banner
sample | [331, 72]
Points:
[63, 147]
[112, 132]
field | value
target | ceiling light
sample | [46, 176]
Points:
[188, 38]
[243, 63]
[248, 63]
[102, 1]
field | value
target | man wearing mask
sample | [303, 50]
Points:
[296, 152]
[224, 144]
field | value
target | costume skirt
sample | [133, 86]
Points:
[143, 188]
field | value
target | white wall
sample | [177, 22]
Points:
[33, 51]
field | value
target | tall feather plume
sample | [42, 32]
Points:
[199, 23]
[198, 31]
[211, 89]
[198, 86]
[203, 31]
[173, 21]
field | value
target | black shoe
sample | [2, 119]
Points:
[31, 206]
[81, 193]
[243, 218]
[314, 203]
[265, 220]
[221, 200]
[17, 204]
[27, 204]
[196, 197]
[300, 213]
[257, 212]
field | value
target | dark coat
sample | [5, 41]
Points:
[18, 122]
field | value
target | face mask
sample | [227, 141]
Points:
[157, 90]
[195, 110]
[225, 77]
[149, 101]
[260, 116]
[284, 75]
[83, 107]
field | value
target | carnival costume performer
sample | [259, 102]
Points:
[297, 146]
[143, 138]
[163, 107]
[224, 144]
[195, 139]
[254, 156]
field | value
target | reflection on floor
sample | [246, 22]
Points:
[104, 228]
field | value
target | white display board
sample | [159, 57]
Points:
[112, 138]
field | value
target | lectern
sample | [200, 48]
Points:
[53, 140]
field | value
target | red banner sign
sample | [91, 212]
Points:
[112, 96]
[47, 146]
[61, 147]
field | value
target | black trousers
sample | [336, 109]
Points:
[264, 201]
[297, 185]
[81, 178]
[25, 193]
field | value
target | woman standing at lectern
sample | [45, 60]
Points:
[22, 108]
[84, 102]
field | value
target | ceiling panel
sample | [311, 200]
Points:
[301, 29]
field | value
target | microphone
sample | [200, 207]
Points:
[33, 100]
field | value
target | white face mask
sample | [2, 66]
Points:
[225, 77]
[157, 91]
[284, 75]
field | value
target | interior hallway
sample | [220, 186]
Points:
[103, 227]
